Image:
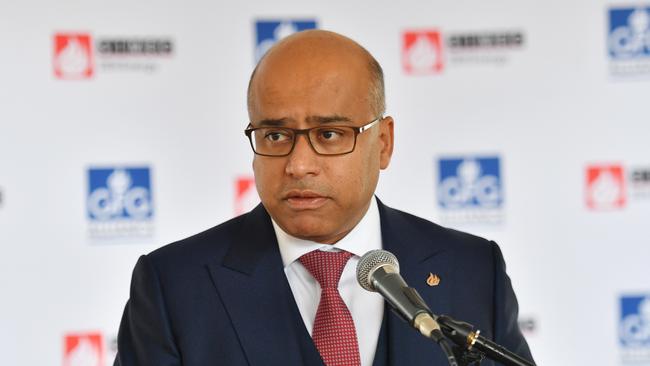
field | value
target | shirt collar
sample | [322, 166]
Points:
[364, 237]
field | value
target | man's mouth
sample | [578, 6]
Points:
[305, 200]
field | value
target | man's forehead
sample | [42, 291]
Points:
[310, 79]
[308, 72]
[309, 97]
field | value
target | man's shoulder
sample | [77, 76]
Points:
[210, 244]
[425, 231]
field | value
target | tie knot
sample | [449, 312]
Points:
[326, 267]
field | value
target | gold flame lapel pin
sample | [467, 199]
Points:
[433, 280]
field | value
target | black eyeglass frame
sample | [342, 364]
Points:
[296, 132]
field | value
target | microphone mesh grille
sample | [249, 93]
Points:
[370, 262]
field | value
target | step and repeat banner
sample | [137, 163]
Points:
[121, 130]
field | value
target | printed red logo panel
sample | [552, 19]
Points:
[83, 350]
[73, 58]
[422, 52]
[246, 197]
[605, 187]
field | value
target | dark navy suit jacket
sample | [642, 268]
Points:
[221, 297]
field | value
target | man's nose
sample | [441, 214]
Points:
[303, 160]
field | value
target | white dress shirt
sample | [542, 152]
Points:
[367, 308]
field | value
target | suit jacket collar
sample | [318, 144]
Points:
[256, 295]
[251, 283]
[420, 255]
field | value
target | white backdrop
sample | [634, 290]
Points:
[542, 96]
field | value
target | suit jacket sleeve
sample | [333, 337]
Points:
[506, 327]
[145, 336]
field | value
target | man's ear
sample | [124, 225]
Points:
[386, 139]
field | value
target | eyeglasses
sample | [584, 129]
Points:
[324, 140]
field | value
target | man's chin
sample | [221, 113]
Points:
[310, 228]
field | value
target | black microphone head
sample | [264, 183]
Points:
[369, 263]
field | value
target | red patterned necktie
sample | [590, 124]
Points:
[333, 334]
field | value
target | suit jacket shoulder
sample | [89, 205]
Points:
[222, 295]
[211, 242]
[473, 284]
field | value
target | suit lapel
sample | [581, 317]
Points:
[418, 256]
[254, 289]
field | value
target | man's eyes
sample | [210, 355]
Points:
[277, 135]
[329, 134]
[322, 134]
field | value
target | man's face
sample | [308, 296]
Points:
[311, 196]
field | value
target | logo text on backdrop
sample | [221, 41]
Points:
[612, 186]
[119, 202]
[430, 51]
[628, 41]
[470, 190]
[634, 328]
[269, 31]
[76, 57]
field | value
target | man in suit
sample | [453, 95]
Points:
[277, 286]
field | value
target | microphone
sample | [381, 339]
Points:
[378, 271]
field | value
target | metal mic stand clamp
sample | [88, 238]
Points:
[467, 357]
[474, 347]
[460, 333]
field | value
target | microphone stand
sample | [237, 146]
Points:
[425, 322]
[473, 347]
[455, 356]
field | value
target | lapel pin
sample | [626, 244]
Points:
[433, 280]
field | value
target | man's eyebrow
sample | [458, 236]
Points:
[327, 119]
[272, 122]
